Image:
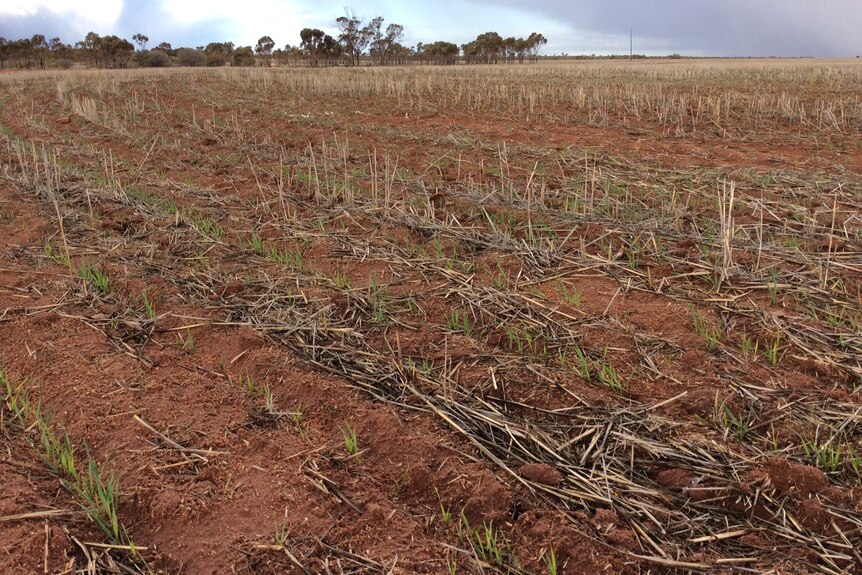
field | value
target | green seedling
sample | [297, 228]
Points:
[583, 364]
[149, 307]
[298, 420]
[459, 322]
[257, 245]
[209, 227]
[771, 351]
[98, 490]
[500, 281]
[706, 329]
[486, 541]
[281, 533]
[96, 278]
[609, 377]
[445, 512]
[573, 296]
[56, 255]
[248, 383]
[551, 561]
[749, 347]
[268, 399]
[351, 442]
[189, 344]
[341, 280]
[827, 456]
[737, 425]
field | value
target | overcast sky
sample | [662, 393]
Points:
[824, 28]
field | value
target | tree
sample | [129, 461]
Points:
[264, 48]
[141, 40]
[353, 35]
[4, 51]
[218, 53]
[243, 56]
[90, 46]
[167, 48]
[384, 46]
[331, 50]
[534, 44]
[115, 51]
[39, 47]
[438, 52]
[312, 40]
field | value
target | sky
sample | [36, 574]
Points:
[818, 28]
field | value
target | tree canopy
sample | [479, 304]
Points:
[354, 42]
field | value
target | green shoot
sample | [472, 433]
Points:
[459, 322]
[609, 377]
[97, 278]
[827, 456]
[771, 351]
[551, 561]
[706, 329]
[351, 443]
[149, 307]
[57, 256]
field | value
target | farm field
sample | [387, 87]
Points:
[580, 317]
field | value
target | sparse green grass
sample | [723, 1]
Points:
[299, 421]
[550, 561]
[583, 364]
[445, 512]
[351, 441]
[281, 533]
[95, 486]
[207, 226]
[749, 347]
[247, 381]
[187, 343]
[772, 350]
[609, 377]
[97, 278]
[828, 456]
[734, 424]
[486, 541]
[56, 255]
[459, 322]
[571, 296]
[341, 280]
[706, 329]
[99, 491]
[149, 306]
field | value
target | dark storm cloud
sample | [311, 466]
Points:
[45, 22]
[151, 19]
[145, 17]
[827, 28]
[713, 27]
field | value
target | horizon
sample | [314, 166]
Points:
[692, 28]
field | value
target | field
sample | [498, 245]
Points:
[581, 317]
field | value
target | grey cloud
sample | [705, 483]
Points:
[827, 28]
[44, 22]
[713, 27]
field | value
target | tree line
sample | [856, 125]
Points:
[355, 43]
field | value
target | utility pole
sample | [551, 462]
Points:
[631, 43]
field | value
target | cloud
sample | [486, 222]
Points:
[694, 27]
[68, 20]
[711, 27]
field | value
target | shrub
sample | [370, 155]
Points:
[155, 59]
